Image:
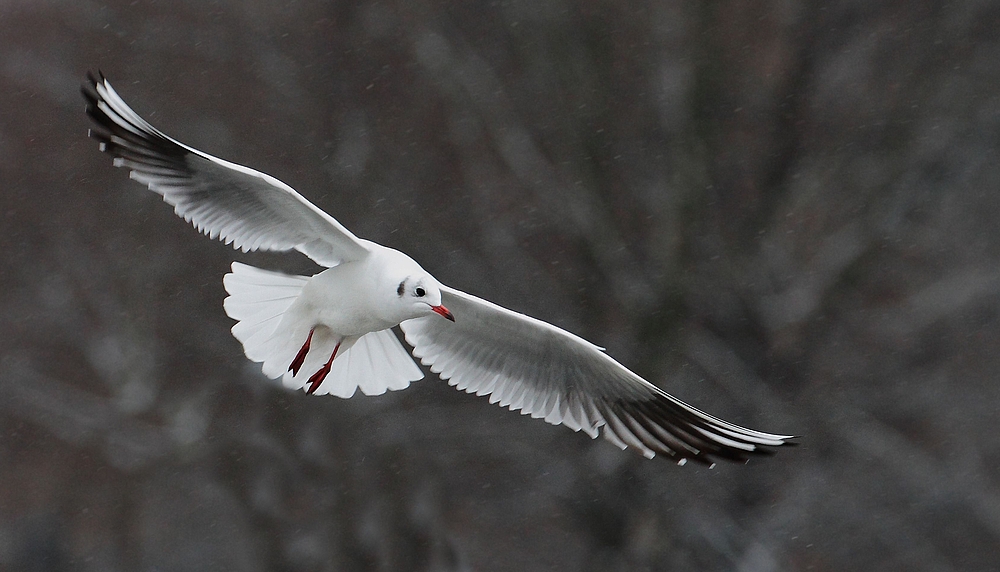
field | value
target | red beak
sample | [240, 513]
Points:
[443, 312]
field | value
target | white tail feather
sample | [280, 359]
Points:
[260, 300]
[373, 363]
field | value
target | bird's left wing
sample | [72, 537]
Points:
[532, 366]
[250, 209]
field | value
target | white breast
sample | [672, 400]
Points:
[345, 299]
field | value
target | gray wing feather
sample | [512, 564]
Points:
[243, 207]
[546, 372]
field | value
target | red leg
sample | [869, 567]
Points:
[318, 377]
[301, 356]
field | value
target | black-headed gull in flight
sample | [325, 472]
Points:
[332, 332]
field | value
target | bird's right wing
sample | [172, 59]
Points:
[239, 205]
[549, 373]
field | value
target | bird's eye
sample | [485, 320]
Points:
[419, 292]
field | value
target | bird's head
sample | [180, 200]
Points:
[415, 293]
[422, 293]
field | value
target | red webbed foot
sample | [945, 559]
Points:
[301, 356]
[318, 377]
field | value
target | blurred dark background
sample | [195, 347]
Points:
[784, 213]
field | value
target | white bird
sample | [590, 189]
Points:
[332, 332]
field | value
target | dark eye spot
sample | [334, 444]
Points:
[419, 292]
[401, 288]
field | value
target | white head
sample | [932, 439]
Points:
[415, 293]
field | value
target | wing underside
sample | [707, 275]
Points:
[247, 208]
[548, 373]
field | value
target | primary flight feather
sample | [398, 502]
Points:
[331, 333]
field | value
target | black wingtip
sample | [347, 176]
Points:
[121, 136]
[682, 434]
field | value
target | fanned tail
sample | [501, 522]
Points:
[374, 363]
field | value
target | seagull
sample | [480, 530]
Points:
[332, 333]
